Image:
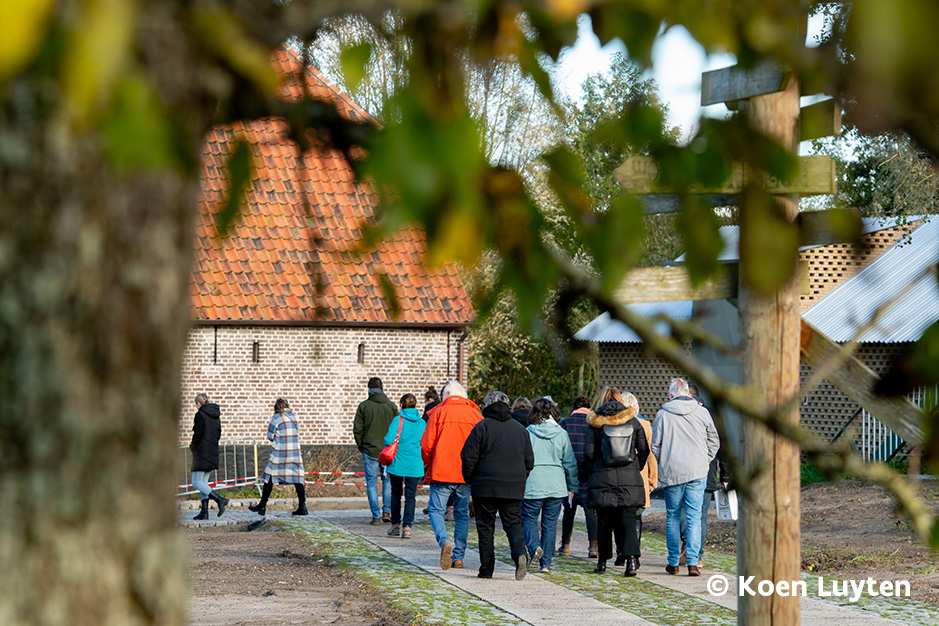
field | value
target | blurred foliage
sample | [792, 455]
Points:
[85, 73]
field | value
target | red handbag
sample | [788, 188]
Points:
[388, 454]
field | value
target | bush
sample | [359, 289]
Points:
[811, 474]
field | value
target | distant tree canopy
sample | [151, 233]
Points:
[886, 175]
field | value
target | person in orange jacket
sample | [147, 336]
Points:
[448, 427]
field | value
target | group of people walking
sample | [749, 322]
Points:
[522, 462]
[607, 460]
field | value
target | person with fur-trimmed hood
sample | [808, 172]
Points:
[616, 452]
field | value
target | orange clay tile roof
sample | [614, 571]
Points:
[292, 255]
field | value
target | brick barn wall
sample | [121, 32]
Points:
[316, 369]
[627, 367]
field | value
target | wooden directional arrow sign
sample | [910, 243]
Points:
[735, 83]
[816, 176]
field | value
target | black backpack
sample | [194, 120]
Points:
[618, 446]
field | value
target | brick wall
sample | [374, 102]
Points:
[316, 369]
[831, 265]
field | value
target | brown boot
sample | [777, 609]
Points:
[592, 550]
[564, 549]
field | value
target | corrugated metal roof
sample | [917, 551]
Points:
[731, 235]
[853, 302]
[604, 329]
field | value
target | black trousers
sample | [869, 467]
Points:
[621, 521]
[510, 511]
[269, 486]
[567, 522]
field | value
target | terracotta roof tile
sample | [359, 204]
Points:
[273, 258]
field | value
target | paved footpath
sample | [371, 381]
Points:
[535, 600]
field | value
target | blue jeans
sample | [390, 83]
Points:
[200, 480]
[439, 494]
[374, 469]
[691, 494]
[548, 510]
[705, 505]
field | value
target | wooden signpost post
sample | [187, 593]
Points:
[768, 545]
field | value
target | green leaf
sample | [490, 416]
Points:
[240, 168]
[926, 353]
[429, 168]
[769, 243]
[934, 535]
[353, 61]
[616, 243]
[700, 231]
[391, 295]
[139, 134]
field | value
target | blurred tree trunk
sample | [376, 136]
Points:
[93, 320]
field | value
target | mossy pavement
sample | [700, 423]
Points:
[409, 574]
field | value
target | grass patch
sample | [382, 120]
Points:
[811, 474]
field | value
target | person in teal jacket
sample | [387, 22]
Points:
[553, 478]
[407, 469]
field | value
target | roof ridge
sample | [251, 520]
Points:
[318, 76]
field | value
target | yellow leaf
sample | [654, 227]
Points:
[459, 240]
[23, 24]
[567, 9]
[226, 37]
[98, 51]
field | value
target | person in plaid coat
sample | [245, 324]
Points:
[285, 464]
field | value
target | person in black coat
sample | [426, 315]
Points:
[616, 451]
[206, 432]
[497, 458]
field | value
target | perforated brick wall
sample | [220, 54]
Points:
[825, 410]
[627, 367]
[317, 369]
[831, 265]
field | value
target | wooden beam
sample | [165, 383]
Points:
[655, 203]
[737, 83]
[816, 176]
[671, 284]
[822, 119]
[856, 381]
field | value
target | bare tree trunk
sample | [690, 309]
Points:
[768, 531]
[93, 319]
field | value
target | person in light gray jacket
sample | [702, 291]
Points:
[684, 440]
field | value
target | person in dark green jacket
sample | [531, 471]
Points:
[372, 419]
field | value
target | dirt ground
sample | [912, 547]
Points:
[850, 530]
[270, 577]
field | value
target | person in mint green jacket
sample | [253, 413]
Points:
[407, 469]
[553, 478]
